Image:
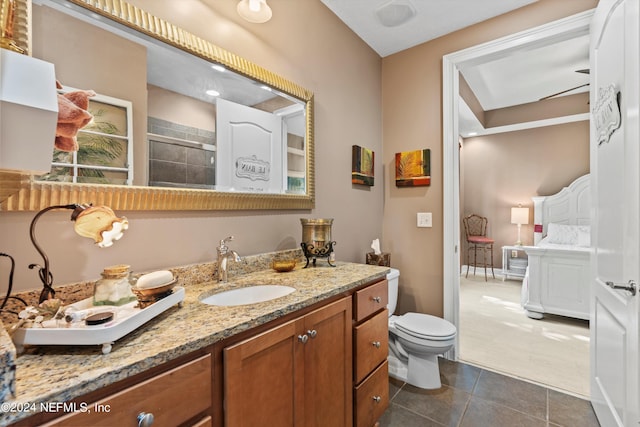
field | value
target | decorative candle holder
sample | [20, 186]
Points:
[316, 239]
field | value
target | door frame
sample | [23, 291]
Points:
[452, 63]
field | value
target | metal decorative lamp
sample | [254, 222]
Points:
[519, 216]
[97, 222]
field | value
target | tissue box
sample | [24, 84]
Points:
[384, 259]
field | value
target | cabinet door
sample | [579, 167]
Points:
[262, 385]
[328, 366]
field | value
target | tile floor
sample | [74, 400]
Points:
[474, 397]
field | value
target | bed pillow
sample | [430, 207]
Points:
[574, 235]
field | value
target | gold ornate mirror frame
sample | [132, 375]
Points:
[21, 192]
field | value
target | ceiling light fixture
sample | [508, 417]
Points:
[254, 11]
[395, 12]
[212, 92]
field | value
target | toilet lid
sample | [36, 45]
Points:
[425, 326]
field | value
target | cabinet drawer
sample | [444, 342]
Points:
[371, 299]
[371, 344]
[372, 397]
[172, 397]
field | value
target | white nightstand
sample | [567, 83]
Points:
[514, 262]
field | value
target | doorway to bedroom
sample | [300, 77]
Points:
[493, 330]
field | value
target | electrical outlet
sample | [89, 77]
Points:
[424, 219]
[514, 254]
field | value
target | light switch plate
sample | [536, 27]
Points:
[424, 219]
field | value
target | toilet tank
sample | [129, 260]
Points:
[392, 277]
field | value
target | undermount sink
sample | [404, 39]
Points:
[248, 295]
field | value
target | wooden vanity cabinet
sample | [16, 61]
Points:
[179, 396]
[371, 348]
[295, 374]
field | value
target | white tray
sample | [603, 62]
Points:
[127, 318]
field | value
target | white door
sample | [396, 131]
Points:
[249, 149]
[615, 77]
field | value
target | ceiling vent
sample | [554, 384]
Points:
[395, 12]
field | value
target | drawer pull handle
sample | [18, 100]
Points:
[376, 344]
[376, 299]
[145, 419]
[377, 399]
[303, 338]
[312, 333]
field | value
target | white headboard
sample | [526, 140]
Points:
[570, 206]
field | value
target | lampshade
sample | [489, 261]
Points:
[519, 215]
[28, 113]
[254, 11]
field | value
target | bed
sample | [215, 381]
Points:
[557, 277]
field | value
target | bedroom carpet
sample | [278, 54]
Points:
[495, 334]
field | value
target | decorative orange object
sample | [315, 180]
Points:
[73, 115]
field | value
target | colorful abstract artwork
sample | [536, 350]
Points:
[362, 165]
[413, 168]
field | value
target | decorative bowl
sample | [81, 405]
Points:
[283, 265]
[148, 296]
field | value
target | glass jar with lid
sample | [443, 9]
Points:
[114, 287]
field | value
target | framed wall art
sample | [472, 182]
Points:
[413, 168]
[362, 162]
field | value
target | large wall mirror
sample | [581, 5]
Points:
[179, 123]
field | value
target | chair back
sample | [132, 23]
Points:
[475, 225]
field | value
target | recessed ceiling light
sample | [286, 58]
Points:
[212, 92]
[265, 88]
[219, 67]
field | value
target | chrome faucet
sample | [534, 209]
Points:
[224, 253]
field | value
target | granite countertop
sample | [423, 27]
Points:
[60, 373]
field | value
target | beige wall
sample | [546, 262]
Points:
[500, 171]
[412, 112]
[303, 42]
[176, 108]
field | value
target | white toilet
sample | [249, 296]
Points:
[415, 341]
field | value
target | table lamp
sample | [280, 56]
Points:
[519, 216]
[97, 222]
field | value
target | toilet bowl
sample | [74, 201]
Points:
[415, 342]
